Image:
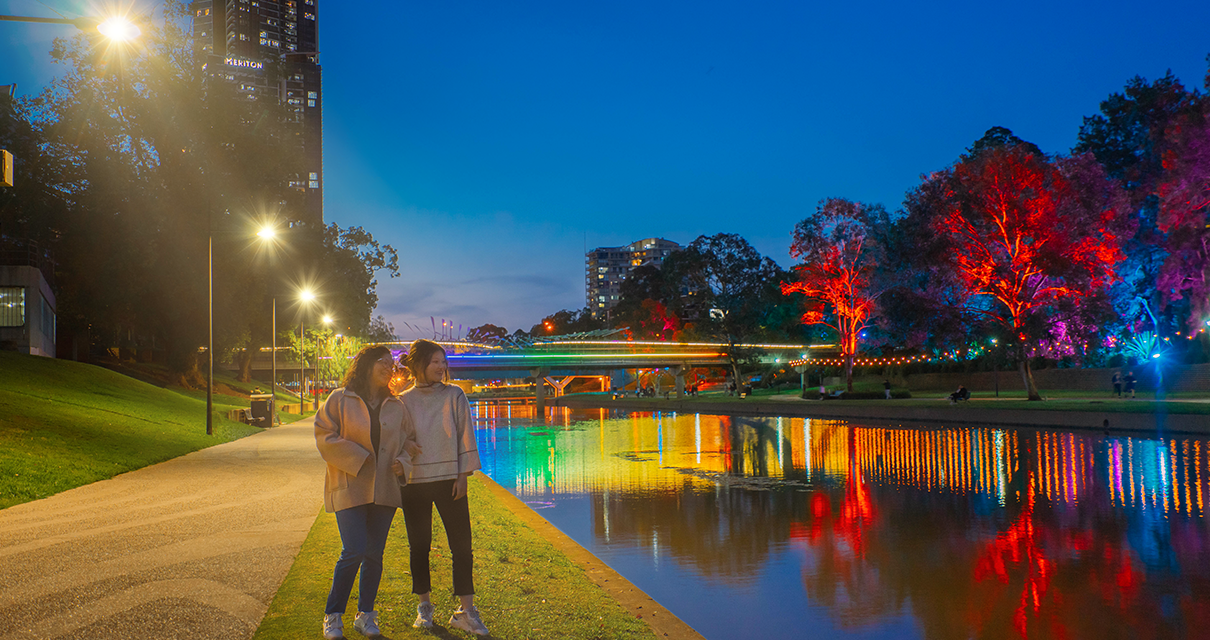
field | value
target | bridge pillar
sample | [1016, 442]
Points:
[680, 381]
[540, 391]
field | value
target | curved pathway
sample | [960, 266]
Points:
[194, 547]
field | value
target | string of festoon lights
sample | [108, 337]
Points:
[866, 362]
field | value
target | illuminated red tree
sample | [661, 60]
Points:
[1029, 237]
[838, 258]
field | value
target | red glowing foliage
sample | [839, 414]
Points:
[836, 271]
[1029, 234]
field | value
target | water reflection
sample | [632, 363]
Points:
[751, 526]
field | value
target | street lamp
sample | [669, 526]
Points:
[116, 28]
[306, 297]
[327, 320]
[267, 233]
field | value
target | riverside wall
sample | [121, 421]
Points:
[1194, 377]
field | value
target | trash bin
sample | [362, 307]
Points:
[263, 410]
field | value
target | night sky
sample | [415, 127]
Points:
[490, 143]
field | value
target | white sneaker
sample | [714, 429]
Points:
[468, 621]
[334, 627]
[366, 623]
[424, 615]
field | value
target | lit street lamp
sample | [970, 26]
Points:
[268, 234]
[306, 297]
[116, 28]
[327, 320]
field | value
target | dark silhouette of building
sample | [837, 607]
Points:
[269, 49]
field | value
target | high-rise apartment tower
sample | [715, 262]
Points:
[241, 40]
[606, 267]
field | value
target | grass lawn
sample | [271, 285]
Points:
[525, 587]
[65, 424]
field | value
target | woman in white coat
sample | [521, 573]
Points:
[450, 456]
[365, 434]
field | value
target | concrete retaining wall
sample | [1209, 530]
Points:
[1176, 378]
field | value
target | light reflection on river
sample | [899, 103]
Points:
[790, 527]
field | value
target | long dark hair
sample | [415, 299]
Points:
[418, 357]
[357, 378]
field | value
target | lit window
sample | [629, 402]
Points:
[314, 176]
[312, 94]
[12, 306]
[310, 103]
[314, 184]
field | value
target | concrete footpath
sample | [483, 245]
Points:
[195, 547]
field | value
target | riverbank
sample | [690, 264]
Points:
[1174, 416]
[532, 581]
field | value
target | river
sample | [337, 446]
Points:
[792, 527]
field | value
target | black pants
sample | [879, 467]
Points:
[418, 501]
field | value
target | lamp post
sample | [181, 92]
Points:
[306, 296]
[268, 234]
[327, 320]
[117, 28]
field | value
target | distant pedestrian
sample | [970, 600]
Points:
[886, 386]
[366, 437]
[1130, 383]
[448, 459]
[1117, 384]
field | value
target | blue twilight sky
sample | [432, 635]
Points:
[492, 142]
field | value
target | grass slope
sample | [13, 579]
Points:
[65, 424]
[525, 587]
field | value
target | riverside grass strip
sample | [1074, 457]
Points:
[65, 424]
[526, 588]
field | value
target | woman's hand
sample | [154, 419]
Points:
[412, 448]
[460, 486]
[397, 467]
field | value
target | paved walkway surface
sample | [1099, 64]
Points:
[195, 547]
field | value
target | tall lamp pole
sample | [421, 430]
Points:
[268, 233]
[306, 296]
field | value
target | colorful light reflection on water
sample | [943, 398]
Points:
[789, 527]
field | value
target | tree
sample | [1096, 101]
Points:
[837, 261]
[487, 333]
[136, 158]
[1031, 239]
[1130, 138]
[564, 322]
[734, 286]
[1184, 215]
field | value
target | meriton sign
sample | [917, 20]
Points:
[248, 64]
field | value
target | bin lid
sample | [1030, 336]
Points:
[261, 396]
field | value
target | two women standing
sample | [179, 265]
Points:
[373, 442]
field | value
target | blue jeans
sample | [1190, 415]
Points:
[363, 536]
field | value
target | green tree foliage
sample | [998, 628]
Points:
[564, 322]
[132, 160]
[487, 333]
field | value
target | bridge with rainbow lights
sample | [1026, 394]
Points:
[558, 361]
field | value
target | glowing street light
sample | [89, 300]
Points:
[116, 28]
[268, 234]
[119, 29]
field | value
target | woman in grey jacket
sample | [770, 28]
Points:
[449, 457]
[365, 434]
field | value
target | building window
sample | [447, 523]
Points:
[48, 320]
[12, 306]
